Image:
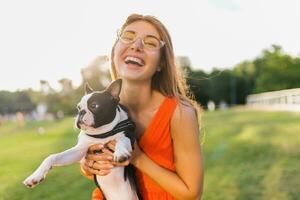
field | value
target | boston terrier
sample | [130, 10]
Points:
[101, 119]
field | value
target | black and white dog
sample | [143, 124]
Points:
[101, 119]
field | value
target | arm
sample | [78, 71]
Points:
[187, 182]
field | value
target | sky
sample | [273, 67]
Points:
[55, 39]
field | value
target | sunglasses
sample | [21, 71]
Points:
[149, 42]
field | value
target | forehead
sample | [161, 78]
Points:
[142, 28]
[85, 98]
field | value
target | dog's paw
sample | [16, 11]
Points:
[121, 154]
[33, 180]
[123, 150]
[122, 159]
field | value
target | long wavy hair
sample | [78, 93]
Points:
[170, 79]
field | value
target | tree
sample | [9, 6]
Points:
[12, 102]
[276, 70]
[96, 73]
[199, 85]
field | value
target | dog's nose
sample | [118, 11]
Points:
[82, 112]
[80, 118]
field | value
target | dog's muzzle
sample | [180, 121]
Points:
[80, 118]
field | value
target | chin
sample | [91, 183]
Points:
[129, 75]
[134, 75]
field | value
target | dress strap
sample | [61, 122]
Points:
[159, 122]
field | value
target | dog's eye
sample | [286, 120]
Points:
[94, 105]
[78, 107]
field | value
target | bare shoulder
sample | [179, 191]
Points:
[184, 120]
[184, 112]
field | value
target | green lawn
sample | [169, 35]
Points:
[248, 155]
[23, 149]
[251, 155]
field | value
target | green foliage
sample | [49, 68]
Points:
[272, 70]
[11, 102]
[199, 85]
[65, 103]
[245, 74]
[276, 71]
[220, 85]
[64, 100]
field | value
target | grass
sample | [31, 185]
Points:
[23, 149]
[247, 154]
[251, 155]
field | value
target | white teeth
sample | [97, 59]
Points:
[134, 59]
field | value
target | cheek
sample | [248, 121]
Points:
[117, 57]
[88, 118]
[155, 58]
[117, 53]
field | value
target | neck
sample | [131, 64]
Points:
[136, 96]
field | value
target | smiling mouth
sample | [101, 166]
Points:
[134, 61]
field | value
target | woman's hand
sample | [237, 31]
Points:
[99, 159]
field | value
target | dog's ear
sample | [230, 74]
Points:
[115, 88]
[88, 89]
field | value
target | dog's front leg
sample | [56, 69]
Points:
[123, 149]
[67, 157]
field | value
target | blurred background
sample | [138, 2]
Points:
[241, 60]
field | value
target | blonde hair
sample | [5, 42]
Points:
[169, 80]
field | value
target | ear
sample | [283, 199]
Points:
[88, 89]
[115, 88]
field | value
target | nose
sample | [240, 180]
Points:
[82, 112]
[80, 116]
[137, 44]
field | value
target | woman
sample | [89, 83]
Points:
[168, 154]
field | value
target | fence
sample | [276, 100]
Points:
[285, 100]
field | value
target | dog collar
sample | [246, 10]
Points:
[121, 126]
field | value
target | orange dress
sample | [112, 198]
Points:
[157, 144]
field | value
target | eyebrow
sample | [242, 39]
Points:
[153, 36]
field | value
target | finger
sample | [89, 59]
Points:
[111, 144]
[99, 157]
[95, 147]
[108, 151]
[110, 147]
[85, 168]
[104, 172]
[98, 172]
[89, 162]
[102, 165]
[89, 169]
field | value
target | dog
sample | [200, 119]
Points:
[101, 119]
